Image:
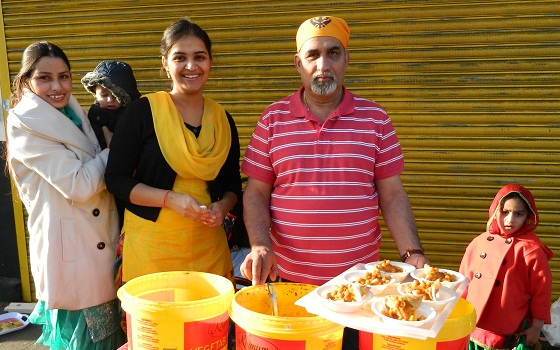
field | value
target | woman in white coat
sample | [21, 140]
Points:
[58, 168]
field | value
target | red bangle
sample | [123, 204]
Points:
[165, 199]
[410, 252]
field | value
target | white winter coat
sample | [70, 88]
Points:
[72, 221]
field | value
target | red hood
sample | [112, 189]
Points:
[530, 225]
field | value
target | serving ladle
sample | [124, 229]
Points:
[272, 296]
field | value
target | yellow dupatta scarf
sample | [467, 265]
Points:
[189, 156]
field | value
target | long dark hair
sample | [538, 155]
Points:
[31, 55]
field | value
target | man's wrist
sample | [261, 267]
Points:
[411, 251]
[261, 247]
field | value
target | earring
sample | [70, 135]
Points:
[168, 76]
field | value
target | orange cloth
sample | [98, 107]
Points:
[188, 155]
[173, 242]
[323, 26]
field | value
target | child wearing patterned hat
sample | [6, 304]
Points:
[113, 85]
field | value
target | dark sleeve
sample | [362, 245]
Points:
[125, 149]
[135, 157]
[115, 118]
[97, 119]
[229, 177]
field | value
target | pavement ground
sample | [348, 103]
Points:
[24, 339]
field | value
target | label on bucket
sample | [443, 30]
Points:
[247, 341]
[206, 334]
[387, 342]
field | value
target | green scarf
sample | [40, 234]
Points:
[69, 112]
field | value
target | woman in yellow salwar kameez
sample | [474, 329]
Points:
[174, 159]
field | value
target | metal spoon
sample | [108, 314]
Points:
[272, 295]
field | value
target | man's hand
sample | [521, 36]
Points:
[417, 260]
[259, 264]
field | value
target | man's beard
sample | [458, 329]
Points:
[323, 88]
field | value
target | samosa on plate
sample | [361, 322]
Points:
[402, 307]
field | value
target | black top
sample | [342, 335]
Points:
[99, 117]
[135, 157]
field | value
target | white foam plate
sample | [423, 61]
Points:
[12, 321]
[401, 276]
[340, 305]
[424, 310]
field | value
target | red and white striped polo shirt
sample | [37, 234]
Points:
[324, 205]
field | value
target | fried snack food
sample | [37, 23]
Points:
[347, 292]
[426, 289]
[9, 324]
[432, 273]
[402, 307]
[385, 266]
[373, 278]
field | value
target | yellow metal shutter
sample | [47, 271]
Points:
[473, 88]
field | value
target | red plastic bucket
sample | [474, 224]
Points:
[179, 310]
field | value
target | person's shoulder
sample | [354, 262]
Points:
[282, 106]
[360, 107]
[19, 107]
[286, 100]
[531, 240]
[231, 121]
[141, 102]
[362, 102]
[136, 109]
[28, 101]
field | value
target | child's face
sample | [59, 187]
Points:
[106, 98]
[513, 216]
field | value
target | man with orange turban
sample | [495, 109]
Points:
[321, 163]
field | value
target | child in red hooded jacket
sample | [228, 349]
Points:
[511, 281]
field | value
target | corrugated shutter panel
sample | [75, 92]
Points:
[473, 88]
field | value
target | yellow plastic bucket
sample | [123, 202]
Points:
[180, 310]
[294, 328]
[453, 335]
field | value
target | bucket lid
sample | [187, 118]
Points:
[249, 310]
[172, 294]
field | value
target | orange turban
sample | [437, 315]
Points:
[323, 26]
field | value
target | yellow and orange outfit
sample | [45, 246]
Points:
[169, 241]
